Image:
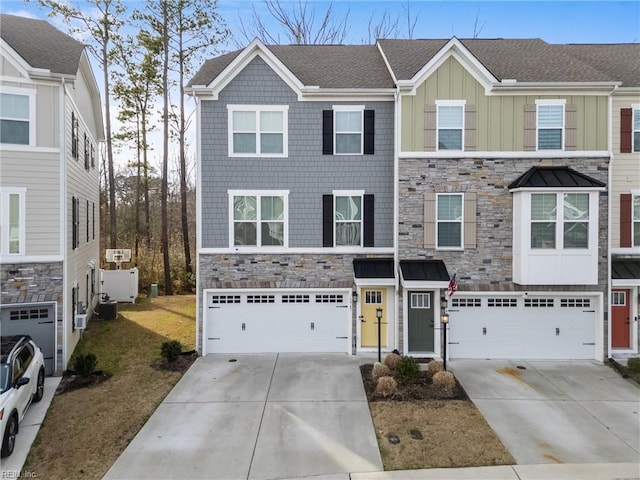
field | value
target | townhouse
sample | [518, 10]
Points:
[51, 127]
[341, 187]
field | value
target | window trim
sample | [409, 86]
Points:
[258, 194]
[559, 102]
[257, 109]
[5, 192]
[450, 103]
[31, 94]
[343, 109]
[348, 193]
[461, 221]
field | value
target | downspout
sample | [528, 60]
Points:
[607, 299]
[63, 228]
[199, 305]
[396, 195]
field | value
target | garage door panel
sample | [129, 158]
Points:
[36, 321]
[527, 328]
[273, 321]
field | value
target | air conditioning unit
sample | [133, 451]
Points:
[81, 321]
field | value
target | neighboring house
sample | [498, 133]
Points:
[490, 161]
[295, 184]
[51, 126]
[623, 63]
[502, 175]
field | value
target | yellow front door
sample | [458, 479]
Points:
[371, 300]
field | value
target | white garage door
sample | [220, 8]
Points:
[277, 321]
[520, 327]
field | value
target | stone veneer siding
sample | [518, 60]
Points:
[29, 283]
[225, 271]
[488, 267]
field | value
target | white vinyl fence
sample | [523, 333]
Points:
[120, 285]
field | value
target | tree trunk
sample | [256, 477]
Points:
[113, 235]
[168, 288]
[183, 173]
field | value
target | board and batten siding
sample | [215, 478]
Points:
[625, 169]
[499, 118]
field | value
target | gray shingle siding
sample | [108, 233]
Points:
[306, 173]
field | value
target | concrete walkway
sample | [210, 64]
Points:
[11, 467]
[257, 417]
[556, 412]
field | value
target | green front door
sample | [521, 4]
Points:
[420, 321]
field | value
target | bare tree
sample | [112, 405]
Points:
[298, 23]
[385, 27]
[102, 22]
[478, 30]
[411, 21]
[195, 29]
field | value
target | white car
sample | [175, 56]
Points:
[21, 382]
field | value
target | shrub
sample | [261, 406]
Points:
[386, 386]
[633, 364]
[434, 367]
[445, 381]
[408, 369]
[392, 360]
[380, 370]
[84, 364]
[171, 350]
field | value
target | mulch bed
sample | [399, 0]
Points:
[70, 381]
[421, 389]
[181, 364]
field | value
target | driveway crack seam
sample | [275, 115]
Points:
[264, 408]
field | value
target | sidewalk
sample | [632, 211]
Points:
[582, 471]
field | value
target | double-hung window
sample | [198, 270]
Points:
[550, 124]
[449, 220]
[450, 124]
[17, 124]
[258, 130]
[348, 219]
[349, 135]
[12, 221]
[560, 221]
[258, 218]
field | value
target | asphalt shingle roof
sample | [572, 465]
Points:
[41, 45]
[325, 66]
[621, 61]
[524, 60]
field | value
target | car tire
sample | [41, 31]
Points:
[37, 396]
[9, 439]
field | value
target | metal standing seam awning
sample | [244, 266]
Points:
[423, 274]
[625, 272]
[373, 271]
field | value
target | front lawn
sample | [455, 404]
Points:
[86, 430]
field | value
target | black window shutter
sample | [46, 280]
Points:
[369, 131]
[327, 220]
[327, 132]
[368, 221]
[74, 224]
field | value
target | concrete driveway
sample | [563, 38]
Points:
[257, 417]
[556, 412]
